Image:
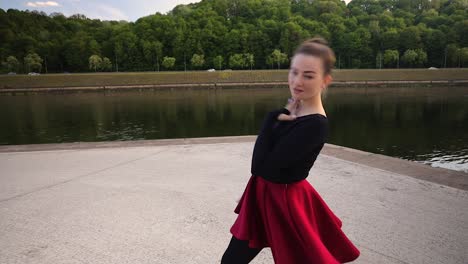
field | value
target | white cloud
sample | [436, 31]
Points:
[93, 9]
[42, 4]
[107, 12]
[148, 7]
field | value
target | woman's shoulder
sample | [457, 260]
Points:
[314, 115]
[313, 122]
[315, 118]
[308, 120]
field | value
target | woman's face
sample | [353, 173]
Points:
[306, 79]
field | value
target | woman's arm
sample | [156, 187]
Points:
[263, 143]
[296, 146]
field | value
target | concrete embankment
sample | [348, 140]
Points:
[162, 87]
[172, 201]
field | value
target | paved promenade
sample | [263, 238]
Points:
[172, 201]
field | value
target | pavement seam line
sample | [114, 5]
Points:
[391, 172]
[382, 254]
[78, 177]
[400, 174]
[364, 165]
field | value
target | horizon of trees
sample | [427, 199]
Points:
[240, 34]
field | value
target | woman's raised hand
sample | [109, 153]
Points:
[292, 106]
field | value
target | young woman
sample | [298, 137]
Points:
[279, 208]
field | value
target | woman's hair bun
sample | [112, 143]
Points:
[318, 46]
[317, 40]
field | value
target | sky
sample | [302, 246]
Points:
[129, 10]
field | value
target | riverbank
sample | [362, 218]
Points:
[223, 79]
[172, 201]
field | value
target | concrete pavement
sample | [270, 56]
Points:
[172, 201]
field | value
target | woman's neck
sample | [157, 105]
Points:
[311, 106]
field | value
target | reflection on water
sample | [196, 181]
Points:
[457, 160]
[427, 125]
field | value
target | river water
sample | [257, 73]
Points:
[423, 124]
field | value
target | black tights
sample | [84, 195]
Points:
[238, 252]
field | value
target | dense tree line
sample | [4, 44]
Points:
[240, 34]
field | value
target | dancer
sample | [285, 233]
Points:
[279, 208]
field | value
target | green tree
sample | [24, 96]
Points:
[218, 62]
[461, 27]
[357, 48]
[12, 64]
[410, 38]
[391, 58]
[157, 49]
[458, 56]
[421, 59]
[357, 32]
[291, 35]
[94, 47]
[126, 49]
[94, 62]
[409, 58]
[168, 62]
[390, 39]
[106, 64]
[434, 44]
[33, 62]
[118, 54]
[197, 60]
[152, 50]
[237, 61]
[378, 60]
[452, 55]
[277, 57]
[249, 59]
[463, 57]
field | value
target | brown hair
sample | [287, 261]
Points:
[318, 47]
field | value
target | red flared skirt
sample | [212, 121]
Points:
[294, 221]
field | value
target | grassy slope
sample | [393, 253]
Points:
[199, 77]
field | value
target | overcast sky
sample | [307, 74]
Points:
[129, 10]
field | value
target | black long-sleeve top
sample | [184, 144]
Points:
[285, 151]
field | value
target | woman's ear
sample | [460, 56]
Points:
[327, 80]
